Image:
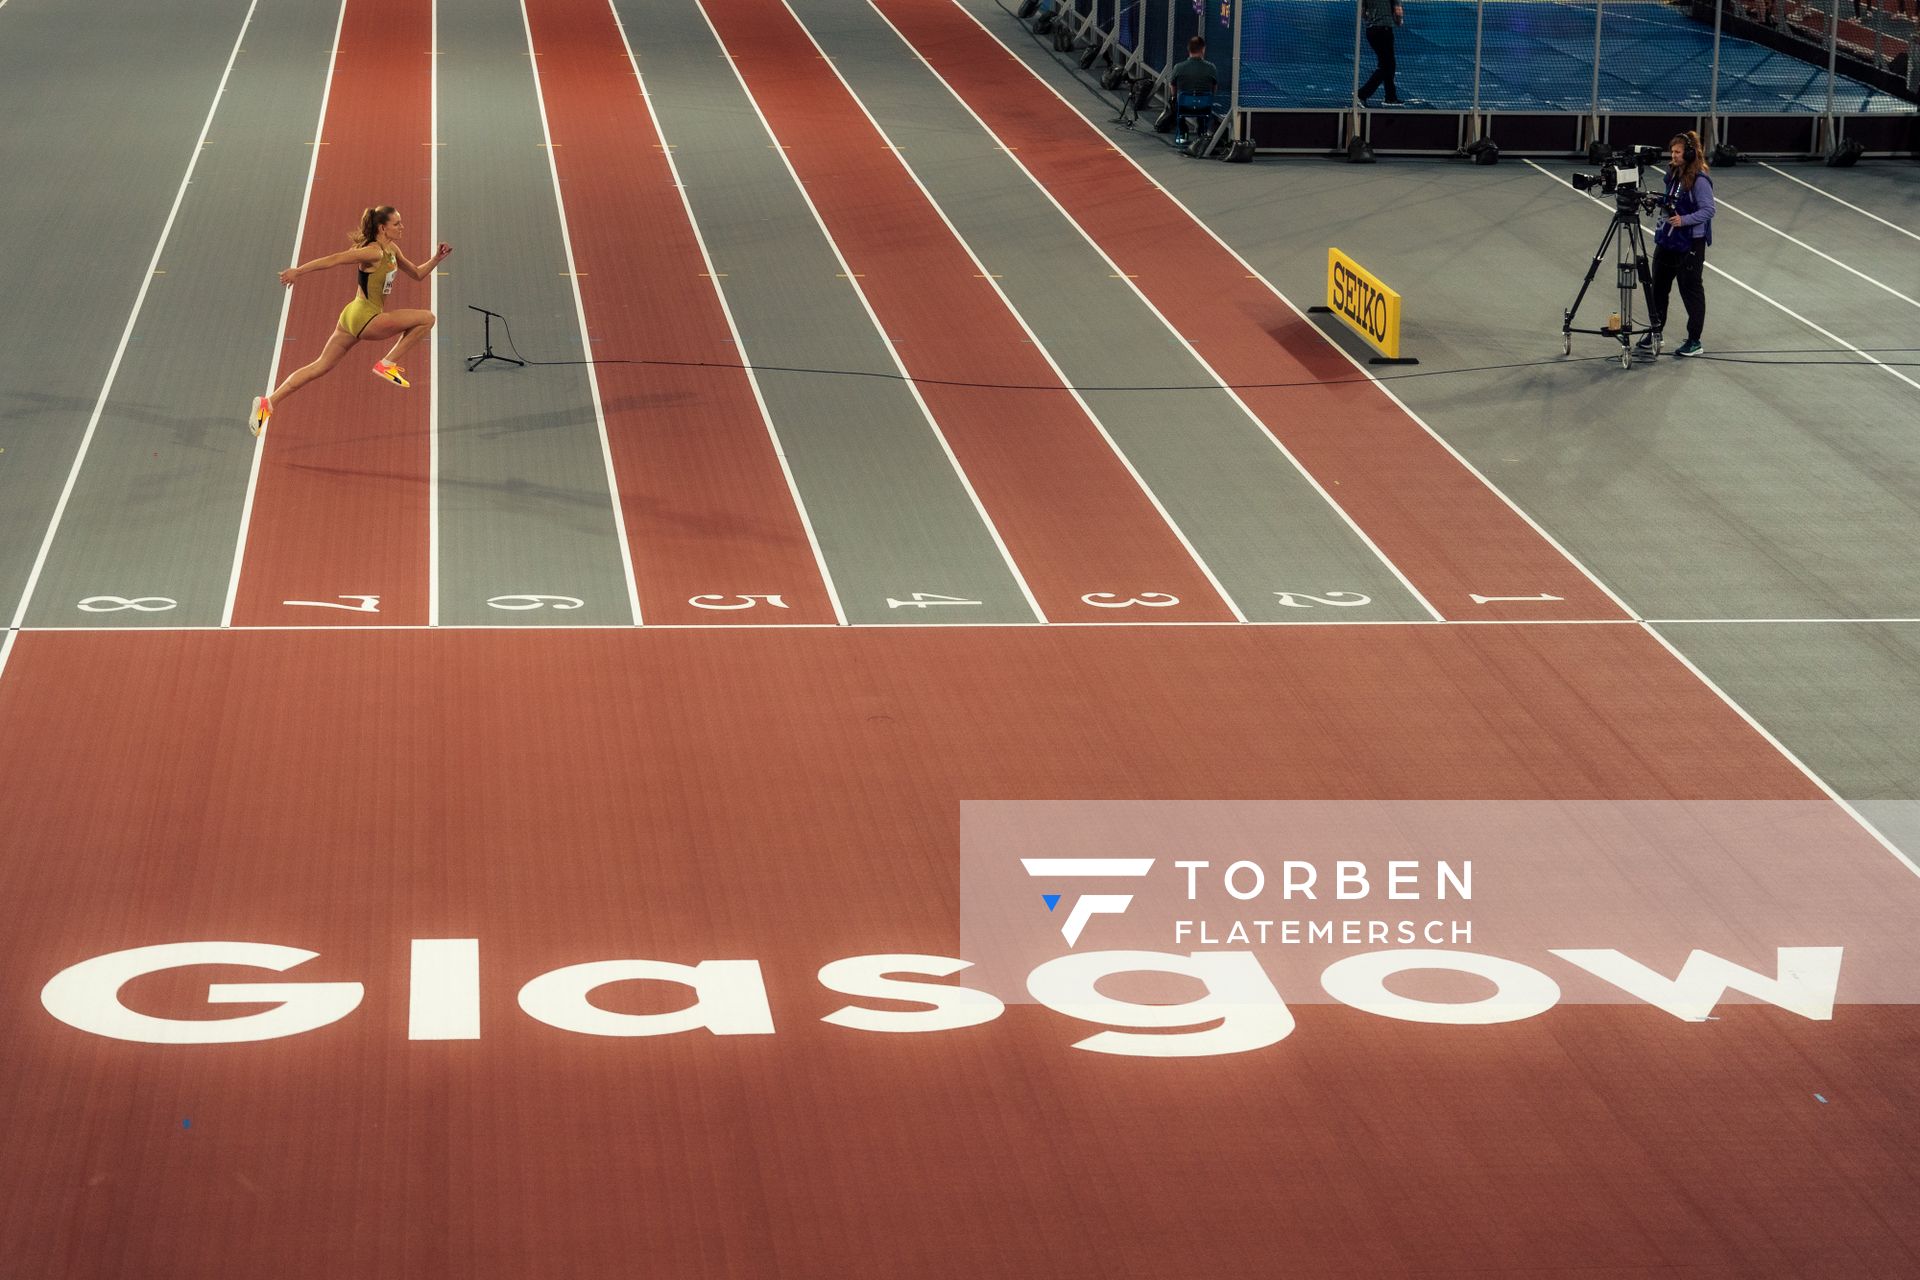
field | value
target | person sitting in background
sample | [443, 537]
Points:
[1192, 80]
[1196, 74]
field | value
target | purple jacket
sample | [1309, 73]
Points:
[1695, 208]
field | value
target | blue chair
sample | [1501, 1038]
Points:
[1193, 114]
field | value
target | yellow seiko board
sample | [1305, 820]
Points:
[1363, 300]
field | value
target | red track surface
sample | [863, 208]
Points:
[707, 509]
[341, 507]
[1428, 514]
[1074, 519]
[791, 797]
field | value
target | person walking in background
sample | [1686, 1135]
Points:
[1381, 17]
[1680, 245]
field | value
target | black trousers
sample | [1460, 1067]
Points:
[1381, 41]
[1670, 265]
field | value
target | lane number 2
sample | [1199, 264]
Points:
[1338, 599]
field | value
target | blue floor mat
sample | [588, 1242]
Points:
[1535, 56]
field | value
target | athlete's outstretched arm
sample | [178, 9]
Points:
[425, 269]
[364, 254]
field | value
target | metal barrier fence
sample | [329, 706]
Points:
[1822, 61]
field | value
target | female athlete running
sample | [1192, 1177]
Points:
[376, 251]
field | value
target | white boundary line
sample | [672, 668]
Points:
[280, 333]
[580, 313]
[1810, 249]
[739, 344]
[1781, 747]
[1022, 626]
[126, 334]
[1344, 354]
[912, 388]
[880, 626]
[433, 334]
[1065, 382]
[1771, 622]
[1837, 200]
[6, 641]
[1781, 307]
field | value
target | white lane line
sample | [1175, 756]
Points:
[1027, 626]
[586, 341]
[1085, 408]
[1344, 354]
[6, 642]
[1781, 747]
[1818, 253]
[733, 330]
[722, 627]
[126, 334]
[1724, 622]
[1912, 235]
[433, 334]
[280, 333]
[893, 354]
[1772, 302]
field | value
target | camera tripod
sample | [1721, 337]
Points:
[1629, 241]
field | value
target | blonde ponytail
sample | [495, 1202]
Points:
[371, 220]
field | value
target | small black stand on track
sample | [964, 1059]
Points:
[474, 362]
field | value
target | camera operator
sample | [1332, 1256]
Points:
[1680, 244]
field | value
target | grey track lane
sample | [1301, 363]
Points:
[1843, 696]
[1249, 512]
[1860, 242]
[101, 118]
[1697, 489]
[892, 516]
[525, 506]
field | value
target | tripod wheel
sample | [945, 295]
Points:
[1626, 356]
[1566, 344]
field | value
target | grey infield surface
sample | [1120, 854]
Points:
[1252, 516]
[525, 505]
[891, 514]
[103, 113]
